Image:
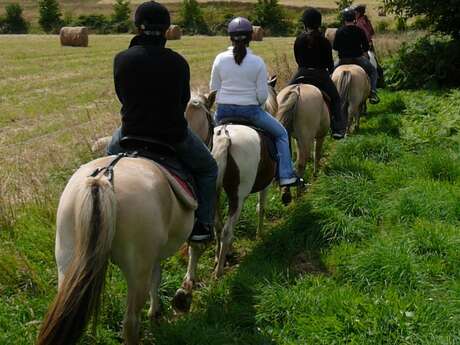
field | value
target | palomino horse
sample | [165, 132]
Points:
[305, 114]
[354, 88]
[96, 222]
[136, 220]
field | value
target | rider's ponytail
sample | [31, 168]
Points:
[239, 51]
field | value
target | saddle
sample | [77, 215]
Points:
[326, 97]
[164, 155]
[267, 140]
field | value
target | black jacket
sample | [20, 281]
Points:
[313, 50]
[153, 86]
[350, 42]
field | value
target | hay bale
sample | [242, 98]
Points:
[174, 33]
[330, 35]
[257, 33]
[74, 36]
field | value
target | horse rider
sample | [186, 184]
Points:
[313, 54]
[352, 45]
[240, 79]
[363, 22]
[153, 85]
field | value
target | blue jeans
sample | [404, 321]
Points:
[196, 157]
[268, 123]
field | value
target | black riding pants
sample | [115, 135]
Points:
[321, 79]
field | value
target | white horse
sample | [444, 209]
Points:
[245, 167]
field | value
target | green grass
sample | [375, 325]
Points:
[368, 256]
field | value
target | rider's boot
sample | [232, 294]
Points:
[201, 233]
[374, 98]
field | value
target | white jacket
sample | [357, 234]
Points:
[244, 84]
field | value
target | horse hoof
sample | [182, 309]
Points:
[286, 198]
[182, 301]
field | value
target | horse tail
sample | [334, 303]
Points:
[220, 151]
[288, 108]
[79, 295]
[344, 87]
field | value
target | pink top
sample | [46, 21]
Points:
[364, 23]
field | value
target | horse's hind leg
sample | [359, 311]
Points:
[227, 237]
[139, 282]
[154, 310]
[262, 196]
[318, 154]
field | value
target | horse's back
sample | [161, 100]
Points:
[148, 215]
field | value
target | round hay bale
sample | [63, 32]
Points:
[257, 33]
[174, 33]
[330, 35]
[74, 36]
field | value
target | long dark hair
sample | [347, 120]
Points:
[240, 43]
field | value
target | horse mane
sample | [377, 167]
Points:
[272, 104]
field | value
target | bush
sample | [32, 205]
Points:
[120, 17]
[95, 22]
[192, 20]
[382, 26]
[13, 22]
[270, 15]
[50, 15]
[445, 17]
[432, 61]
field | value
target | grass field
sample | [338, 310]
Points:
[105, 6]
[368, 256]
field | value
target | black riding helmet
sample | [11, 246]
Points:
[152, 16]
[349, 14]
[311, 18]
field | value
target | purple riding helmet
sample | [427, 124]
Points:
[240, 29]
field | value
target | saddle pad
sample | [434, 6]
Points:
[181, 188]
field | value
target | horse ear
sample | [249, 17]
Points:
[272, 81]
[210, 99]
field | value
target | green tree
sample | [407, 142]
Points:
[444, 15]
[192, 19]
[50, 15]
[270, 15]
[14, 22]
[120, 16]
[341, 5]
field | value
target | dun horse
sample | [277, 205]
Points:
[305, 114]
[354, 88]
[136, 215]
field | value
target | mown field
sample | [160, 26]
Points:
[368, 256]
[105, 6]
